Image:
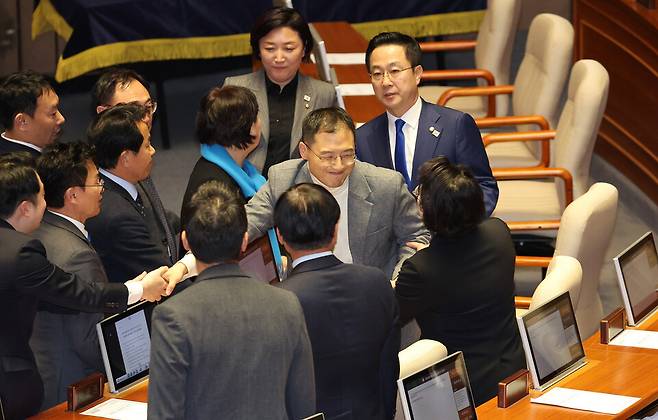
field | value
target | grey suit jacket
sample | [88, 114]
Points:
[312, 94]
[65, 345]
[230, 347]
[382, 215]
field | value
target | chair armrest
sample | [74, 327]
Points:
[459, 74]
[490, 91]
[523, 261]
[438, 46]
[502, 174]
[538, 120]
[538, 173]
[522, 302]
[542, 136]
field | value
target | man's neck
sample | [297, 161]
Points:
[400, 112]
[69, 212]
[296, 254]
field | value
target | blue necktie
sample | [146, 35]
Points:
[400, 159]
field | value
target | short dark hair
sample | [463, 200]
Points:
[410, 45]
[19, 93]
[325, 120]
[450, 197]
[18, 182]
[115, 130]
[105, 87]
[61, 166]
[279, 17]
[217, 224]
[225, 117]
[306, 216]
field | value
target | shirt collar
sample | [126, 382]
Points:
[309, 257]
[411, 117]
[76, 223]
[275, 88]
[128, 186]
[332, 190]
[30, 145]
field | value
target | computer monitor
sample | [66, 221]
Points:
[637, 272]
[439, 391]
[551, 341]
[258, 261]
[125, 342]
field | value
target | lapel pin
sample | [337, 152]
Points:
[307, 98]
[434, 131]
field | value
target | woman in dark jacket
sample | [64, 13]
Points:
[460, 288]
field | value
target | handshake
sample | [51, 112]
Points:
[160, 282]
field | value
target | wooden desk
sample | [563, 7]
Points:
[619, 370]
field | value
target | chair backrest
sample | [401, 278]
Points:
[495, 42]
[564, 274]
[579, 122]
[419, 355]
[543, 71]
[585, 231]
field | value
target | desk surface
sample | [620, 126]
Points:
[619, 370]
[613, 369]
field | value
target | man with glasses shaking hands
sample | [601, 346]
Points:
[379, 215]
[413, 131]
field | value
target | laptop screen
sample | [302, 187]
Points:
[440, 391]
[258, 261]
[551, 341]
[637, 272]
[125, 341]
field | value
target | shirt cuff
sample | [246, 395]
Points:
[189, 261]
[135, 291]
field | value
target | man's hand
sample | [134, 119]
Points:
[417, 245]
[154, 284]
[173, 276]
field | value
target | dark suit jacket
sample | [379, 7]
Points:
[459, 140]
[461, 292]
[66, 344]
[204, 171]
[230, 347]
[352, 319]
[126, 241]
[10, 147]
[26, 276]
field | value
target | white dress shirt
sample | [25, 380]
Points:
[410, 130]
[128, 186]
[341, 193]
[309, 257]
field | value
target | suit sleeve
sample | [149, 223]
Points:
[412, 292]
[129, 237]
[470, 152]
[86, 266]
[389, 362]
[168, 367]
[300, 388]
[407, 224]
[38, 276]
[260, 212]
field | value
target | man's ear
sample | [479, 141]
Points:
[124, 158]
[21, 121]
[303, 150]
[69, 194]
[245, 242]
[101, 108]
[24, 208]
[183, 238]
[418, 72]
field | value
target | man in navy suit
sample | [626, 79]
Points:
[29, 113]
[350, 310]
[413, 131]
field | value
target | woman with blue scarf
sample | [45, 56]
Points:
[228, 128]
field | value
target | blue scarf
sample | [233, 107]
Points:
[248, 179]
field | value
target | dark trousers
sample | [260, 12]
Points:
[21, 389]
